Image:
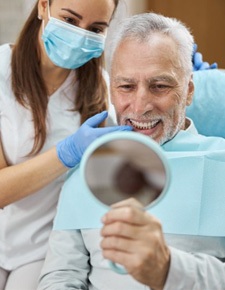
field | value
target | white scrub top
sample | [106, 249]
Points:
[25, 225]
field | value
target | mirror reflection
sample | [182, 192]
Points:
[123, 168]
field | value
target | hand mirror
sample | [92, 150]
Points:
[121, 165]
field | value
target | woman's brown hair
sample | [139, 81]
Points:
[31, 92]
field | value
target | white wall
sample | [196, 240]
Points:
[27, 6]
[14, 12]
[136, 6]
[125, 8]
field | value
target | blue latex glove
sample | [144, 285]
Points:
[71, 149]
[198, 63]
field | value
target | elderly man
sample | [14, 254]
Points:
[151, 85]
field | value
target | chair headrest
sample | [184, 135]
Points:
[208, 107]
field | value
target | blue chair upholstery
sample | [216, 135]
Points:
[208, 107]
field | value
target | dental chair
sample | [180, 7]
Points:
[208, 107]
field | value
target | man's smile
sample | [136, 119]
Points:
[143, 125]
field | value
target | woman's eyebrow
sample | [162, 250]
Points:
[81, 17]
[101, 23]
[73, 12]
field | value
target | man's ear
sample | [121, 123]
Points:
[42, 8]
[191, 89]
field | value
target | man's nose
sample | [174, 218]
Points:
[143, 101]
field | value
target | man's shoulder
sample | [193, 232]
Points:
[210, 142]
[187, 141]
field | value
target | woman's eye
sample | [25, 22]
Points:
[70, 20]
[97, 30]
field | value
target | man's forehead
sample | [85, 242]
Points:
[151, 64]
[145, 57]
[154, 41]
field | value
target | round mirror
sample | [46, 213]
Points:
[126, 164]
[121, 165]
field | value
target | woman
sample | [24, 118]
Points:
[51, 81]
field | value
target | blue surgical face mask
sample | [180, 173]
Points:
[69, 46]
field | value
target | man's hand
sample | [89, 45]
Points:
[134, 239]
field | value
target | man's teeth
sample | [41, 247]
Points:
[144, 125]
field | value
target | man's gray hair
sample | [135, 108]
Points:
[142, 26]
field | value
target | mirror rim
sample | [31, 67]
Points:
[127, 135]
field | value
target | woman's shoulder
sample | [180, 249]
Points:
[6, 50]
[5, 56]
[5, 72]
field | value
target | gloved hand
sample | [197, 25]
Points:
[198, 63]
[71, 149]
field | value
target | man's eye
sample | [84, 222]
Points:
[159, 87]
[126, 87]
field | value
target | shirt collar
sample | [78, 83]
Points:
[191, 127]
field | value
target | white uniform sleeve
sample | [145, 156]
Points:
[195, 271]
[66, 265]
[111, 121]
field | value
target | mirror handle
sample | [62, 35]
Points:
[117, 268]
